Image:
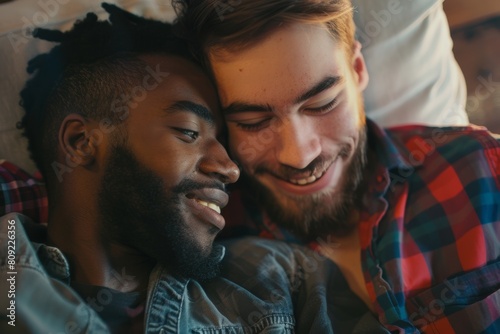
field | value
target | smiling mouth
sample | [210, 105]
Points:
[303, 183]
[212, 198]
[212, 206]
[311, 179]
[315, 176]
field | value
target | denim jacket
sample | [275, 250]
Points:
[265, 287]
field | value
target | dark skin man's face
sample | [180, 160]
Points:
[163, 188]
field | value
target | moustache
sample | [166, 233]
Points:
[287, 172]
[188, 185]
[319, 164]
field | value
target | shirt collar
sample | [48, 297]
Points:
[53, 261]
[390, 152]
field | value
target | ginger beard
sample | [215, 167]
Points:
[318, 215]
[308, 172]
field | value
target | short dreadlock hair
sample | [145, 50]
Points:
[94, 63]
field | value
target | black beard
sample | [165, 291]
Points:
[320, 215]
[137, 212]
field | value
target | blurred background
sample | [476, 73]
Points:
[475, 30]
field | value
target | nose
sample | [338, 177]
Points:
[216, 164]
[298, 143]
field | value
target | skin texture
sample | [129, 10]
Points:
[280, 134]
[282, 131]
[130, 204]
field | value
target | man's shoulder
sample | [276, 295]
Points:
[460, 140]
[11, 226]
[41, 301]
[443, 135]
[11, 216]
[25, 229]
[15, 232]
[468, 153]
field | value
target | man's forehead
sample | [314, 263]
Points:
[179, 79]
[292, 58]
[273, 36]
[168, 68]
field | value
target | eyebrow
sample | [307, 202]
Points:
[239, 107]
[320, 87]
[194, 108]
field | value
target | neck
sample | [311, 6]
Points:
[93, 259]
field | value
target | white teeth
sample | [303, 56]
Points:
[311, 179]
[212, 206]
[308, 180]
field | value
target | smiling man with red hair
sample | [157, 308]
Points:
[411, 215]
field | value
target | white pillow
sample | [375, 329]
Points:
[414, 77]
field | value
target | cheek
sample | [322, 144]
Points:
[246, 148]
[347, 120]
[172, 165]
[355, 106]
[240, 147]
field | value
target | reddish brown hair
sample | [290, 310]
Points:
[234, 25]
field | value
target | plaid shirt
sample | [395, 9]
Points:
[23, 193]
[429, 231]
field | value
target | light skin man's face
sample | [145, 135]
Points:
[162, 190]
[293, 109]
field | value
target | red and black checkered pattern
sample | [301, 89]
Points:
[22, 193]
[429, 229]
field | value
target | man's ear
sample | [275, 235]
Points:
[359, 67]
[75, 142]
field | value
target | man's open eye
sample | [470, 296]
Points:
[189, 135]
